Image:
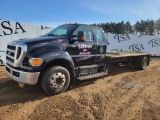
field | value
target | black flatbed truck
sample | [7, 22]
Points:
[66, 54]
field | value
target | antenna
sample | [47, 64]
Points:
[42, 25]
[42, 20]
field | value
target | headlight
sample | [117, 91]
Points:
[35, 61]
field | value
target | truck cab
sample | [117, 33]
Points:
[57, 59]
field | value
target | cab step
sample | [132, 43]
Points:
[92, 76]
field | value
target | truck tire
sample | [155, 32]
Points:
[142, 63]
[1, 62]
[55, 80]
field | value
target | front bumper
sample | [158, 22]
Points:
[30, 78]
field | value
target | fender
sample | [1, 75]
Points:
[56, 57]
[49, 55]
[57, 54]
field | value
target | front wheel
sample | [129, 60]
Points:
[55, 80]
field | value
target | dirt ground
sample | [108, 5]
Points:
[125, 94]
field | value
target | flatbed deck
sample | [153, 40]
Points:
[120, 54]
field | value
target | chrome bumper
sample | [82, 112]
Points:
[22, 76]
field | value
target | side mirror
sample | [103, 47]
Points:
[81, 36]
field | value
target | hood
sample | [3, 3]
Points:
[43, 42]
[38, 39]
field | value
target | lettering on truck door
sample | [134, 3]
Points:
[83, 53]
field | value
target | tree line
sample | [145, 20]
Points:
[143, 27]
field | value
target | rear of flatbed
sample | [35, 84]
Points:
[139, 60]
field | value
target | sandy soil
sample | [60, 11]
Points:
[125, 94]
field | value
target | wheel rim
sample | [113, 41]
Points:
[57, 80]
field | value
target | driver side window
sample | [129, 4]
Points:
[87, 30]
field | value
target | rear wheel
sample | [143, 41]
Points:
[140, 62]
[55, 80]
[1, 62]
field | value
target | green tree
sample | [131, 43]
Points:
[151, 27]
[147, 27]
[128, 27]
[157, 26]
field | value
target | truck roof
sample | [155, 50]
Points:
[82, 24]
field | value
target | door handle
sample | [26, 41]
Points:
[94, 46]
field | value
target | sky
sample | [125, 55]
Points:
[55, 12]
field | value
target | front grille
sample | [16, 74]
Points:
[15, 53]
[10, 53]
[11, 47]
[10, 59]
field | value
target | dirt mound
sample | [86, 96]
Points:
[125, 93]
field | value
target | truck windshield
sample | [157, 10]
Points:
[63, 30]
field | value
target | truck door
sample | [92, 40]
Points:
[101, 45]
[83, 53]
